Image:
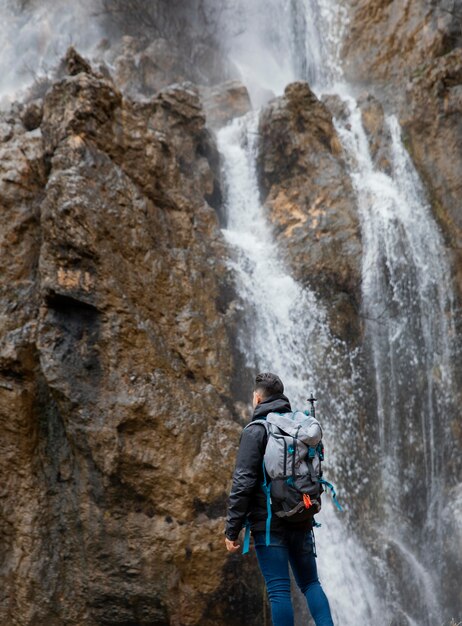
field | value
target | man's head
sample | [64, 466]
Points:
[266, 385]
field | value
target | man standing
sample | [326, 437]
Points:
[289, 542]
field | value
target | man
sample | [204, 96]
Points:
[290, 542]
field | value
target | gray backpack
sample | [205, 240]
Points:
[292, 475]
[292, 465]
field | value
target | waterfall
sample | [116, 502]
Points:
[405, 293]
[408, 312]
[408, 308]
[286, 332]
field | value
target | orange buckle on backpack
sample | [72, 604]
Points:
[307, 501]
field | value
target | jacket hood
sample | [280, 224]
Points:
[278, 403]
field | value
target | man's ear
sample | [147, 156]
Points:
[258, 398]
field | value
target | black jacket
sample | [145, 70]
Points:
[247, 498]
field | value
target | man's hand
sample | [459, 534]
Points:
[231, 546]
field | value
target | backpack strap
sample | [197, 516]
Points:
[332, 490]
[267, 491]
[263, 422]
[246, 544]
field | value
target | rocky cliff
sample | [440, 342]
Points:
[116, 361]
[121, 387]
[311, 203]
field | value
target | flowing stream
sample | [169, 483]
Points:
[393, 575]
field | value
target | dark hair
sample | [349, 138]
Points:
[268, 384]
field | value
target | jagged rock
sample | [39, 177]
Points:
[224, 102]
[386, 42]
[337, 107]
[116, 364]
[142, 67]
[74, 64]
[409, 52]
[378, 135]
[310, 201]
[32, 115]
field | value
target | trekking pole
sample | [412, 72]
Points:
[312, 400]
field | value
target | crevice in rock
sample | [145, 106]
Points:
[214, 509]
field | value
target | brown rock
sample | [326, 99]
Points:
[115, 364]
[75, 64]
[224, 102]
[378, 135]
[141, 67]
[337, 107]
[32, 115]
[310, 201]
[388, 41]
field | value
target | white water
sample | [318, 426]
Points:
[407, 299]
[405, 289]
[407, 304]
[286, 332]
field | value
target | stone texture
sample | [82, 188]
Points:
[387, 41]
[378, 135]
[116, 363]
[224, 102]
[409, 53]
[141, 67]
[311, 203]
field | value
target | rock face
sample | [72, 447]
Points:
[224, 102]
[387, 41]
[116, 362]
[311, 203]
[142, 66]
[432, 121]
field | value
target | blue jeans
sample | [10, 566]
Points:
[294, 547]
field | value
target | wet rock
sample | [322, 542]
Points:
[310, 201]
[387, 42]
[32, 115]
[224, 102]
[378, 134]
[337, 107]
[432, 122]
[115, 362]
[75, 64]
[142, 67]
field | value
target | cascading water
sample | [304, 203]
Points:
[409, 322]
[283, 320]
[407, 306]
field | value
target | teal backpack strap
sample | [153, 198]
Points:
[246, 545]
[267, 491]
[332, 490]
